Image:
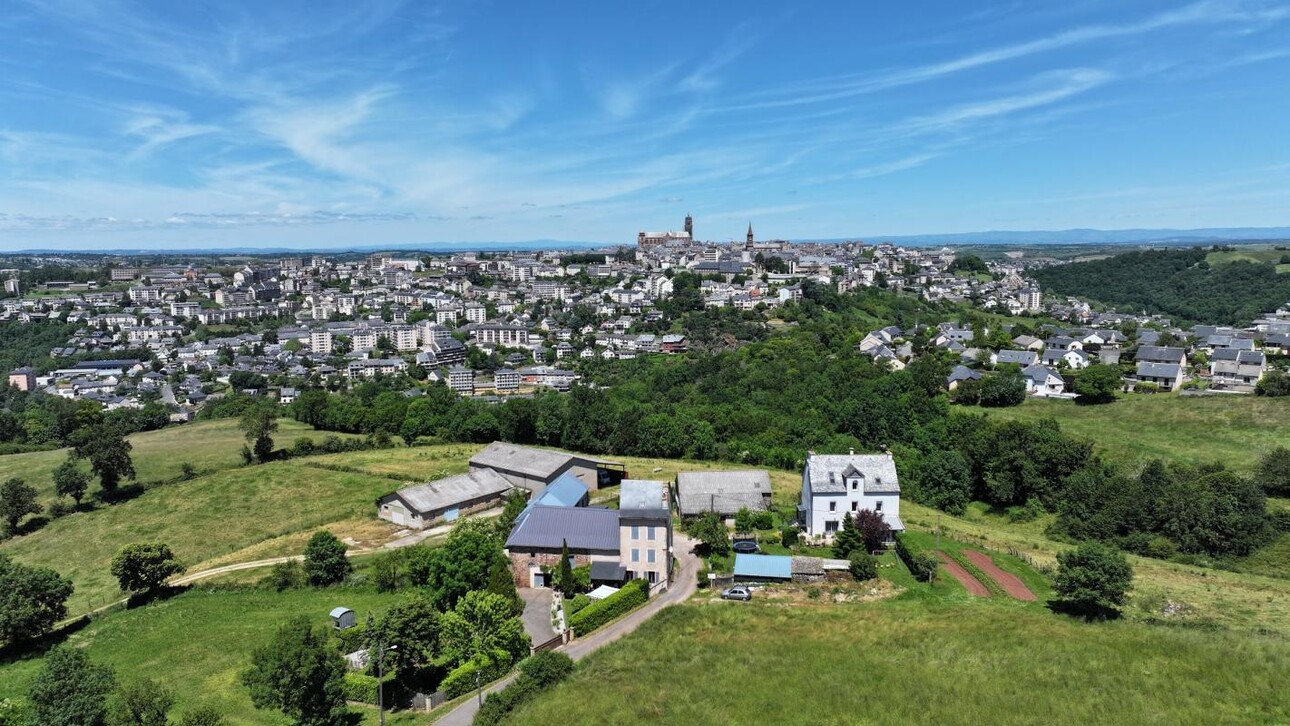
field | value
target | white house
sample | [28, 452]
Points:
[1043, 381]
[836, 485]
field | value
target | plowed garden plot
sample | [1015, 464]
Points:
[1010, 583]
[970, 583]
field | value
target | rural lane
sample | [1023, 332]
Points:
[686, 582]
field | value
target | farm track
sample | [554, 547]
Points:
[965, 578]
[1010, 583]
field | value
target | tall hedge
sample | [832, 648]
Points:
[462, 679]
[631, 596]
[538, 672]
[361, 687]
[921, 563]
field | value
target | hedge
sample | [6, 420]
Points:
[361, 687]
[538, 672]
[631, 596]
[921, 563]
[576, 604]
[462, 679]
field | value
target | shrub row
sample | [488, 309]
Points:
[462, 678]
[537, 673]
[361, 687]
[633, 595]
[574, 605]
[921, 563]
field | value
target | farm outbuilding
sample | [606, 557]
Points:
[343, 618]
[445, 499]
[723, 492]
[763, 568]
[534, 469]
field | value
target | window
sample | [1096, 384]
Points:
[650, 555]
[636, 555]
[830, 526]
[653, 577]
[649, 533]
[855, 506]
[855, 483]
[878, 507]
[833, 506]
[636, 532]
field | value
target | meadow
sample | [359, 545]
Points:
[198, 642]
[1235, 430]
[917, 660]
[207, 446]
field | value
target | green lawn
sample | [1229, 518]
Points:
[209, 517]
[1251, 253]
[206, 445]
[915, 660]
[198, 642]
[1235, 430]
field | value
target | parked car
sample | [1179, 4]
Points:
[746, 547]
[739, 592]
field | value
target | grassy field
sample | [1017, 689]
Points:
[912, 660]
[232, 515]
[206, 445]
[1235, 430]
[1246, 253]
[198, 642]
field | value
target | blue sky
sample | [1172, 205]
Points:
[186, 124]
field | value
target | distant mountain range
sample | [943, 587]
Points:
[997, 237]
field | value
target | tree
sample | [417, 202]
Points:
[144, 566]
[482, 628]
[70, 480]
[515, 504]
[203, 716]
[1093, 578]
[872, 529]
[1273, 383]
[141, 703]
[108, 453]
[847, 540]
[564, 581]
[413, 625]
[711, 533]
[299, 673]
[32, 600]
[325, 560]
[864, 566]
[259, 424]
[460, 564]
[1274, 472]
[1006, 388]
[1098, 384]
[70, 690]
[17, 500]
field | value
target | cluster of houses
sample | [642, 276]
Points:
[632, 537]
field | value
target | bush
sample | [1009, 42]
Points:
[633, 595]
[304, 446]
[789, 536]
[573, 605]
[864, 566]
[1093, 578]
[288, 575]
[61, 508]
[462, 678]
[921, 563]
[361, 687]
[537, 672]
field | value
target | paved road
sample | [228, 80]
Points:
[685, 585]
[537, 613]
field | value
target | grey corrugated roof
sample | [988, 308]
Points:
[828, 473]
[583, 528]
[604, 570]
[445, 493]
[521, 459]
[722, 491]
[1020, 357]
[1159, 354]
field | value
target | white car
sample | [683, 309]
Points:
[739, 592]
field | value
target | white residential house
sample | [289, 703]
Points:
[836, 485]
[1043, 381]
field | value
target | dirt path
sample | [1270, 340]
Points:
[973, 585]
[1010, 583]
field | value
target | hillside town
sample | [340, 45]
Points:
[506, 324]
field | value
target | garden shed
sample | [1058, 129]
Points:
[343, 618]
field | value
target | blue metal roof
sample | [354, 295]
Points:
[778, 567]
[566, 491]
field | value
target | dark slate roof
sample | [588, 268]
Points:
[604, 570]
[1158, 370]
[1020, 357]
[828, 473]
[583, 529]
[1158, 354]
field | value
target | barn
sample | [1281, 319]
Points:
[444, 500]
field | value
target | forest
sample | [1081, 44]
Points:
[1178, 283]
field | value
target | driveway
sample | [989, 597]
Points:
[683, 587]
[537, 613]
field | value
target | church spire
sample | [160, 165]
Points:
[750, 233]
